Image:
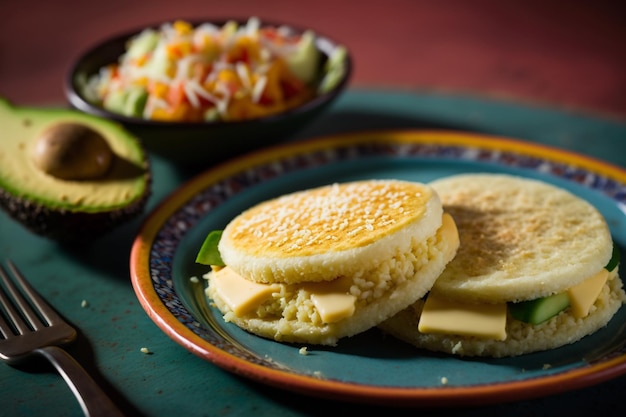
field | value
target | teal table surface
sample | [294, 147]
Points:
[171, 380]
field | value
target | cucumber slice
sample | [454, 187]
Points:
[135, 102]
[539, 310]
[143, 44]
[209, 254]
[304, 61]
[115, 101]
[614, 261]
[334, 68]
[128, 102]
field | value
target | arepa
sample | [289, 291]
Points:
[332, 261]
[524, 242]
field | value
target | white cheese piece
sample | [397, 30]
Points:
[241, 295]
[583, 295]
[452, 317]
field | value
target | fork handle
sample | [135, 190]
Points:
[92, 399]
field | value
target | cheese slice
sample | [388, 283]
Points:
[334, 307]
[583, 295]
[332, 299]
[241, 295]
[444, 316]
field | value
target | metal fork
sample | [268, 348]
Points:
[29, 327]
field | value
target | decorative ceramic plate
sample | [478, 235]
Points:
[368, 367]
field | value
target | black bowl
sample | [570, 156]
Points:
[201, 143]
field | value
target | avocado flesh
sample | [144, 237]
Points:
[65, 209]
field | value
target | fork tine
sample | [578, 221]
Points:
[14, 317]
[5, 328]
[45, 340]
[42, 307]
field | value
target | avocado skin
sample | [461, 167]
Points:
[69, 226]
[75, 224]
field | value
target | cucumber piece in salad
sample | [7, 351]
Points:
[143, 44]
[334, 69]
[304, 61]
[129, 102]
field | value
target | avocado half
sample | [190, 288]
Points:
[66, 187]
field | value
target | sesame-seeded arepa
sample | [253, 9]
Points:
[378, 245]
[521, 239]
[331, 231]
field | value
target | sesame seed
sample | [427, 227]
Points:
[348, 212]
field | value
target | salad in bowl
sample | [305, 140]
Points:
[209, 72]
[198, 91]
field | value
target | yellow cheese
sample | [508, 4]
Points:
[332, 299]
[583, 295]
[333, 307]
[241, 295]
[449, 231]
[445, 316]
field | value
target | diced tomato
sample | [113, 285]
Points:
[176, 95]
[115, 71]
[272, 34]
[291, 87]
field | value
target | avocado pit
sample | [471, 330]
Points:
[72, 151]
[70, 211]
